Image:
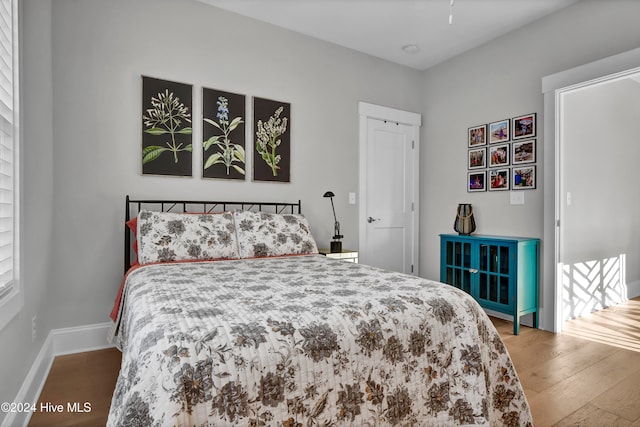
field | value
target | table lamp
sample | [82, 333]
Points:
[336, 244]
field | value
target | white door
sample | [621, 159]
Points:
[389, 193]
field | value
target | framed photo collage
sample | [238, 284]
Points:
[502, 155]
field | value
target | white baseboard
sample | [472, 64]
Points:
[80, 339]
[633, 289]
[59, 342]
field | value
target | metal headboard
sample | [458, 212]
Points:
[132, 207]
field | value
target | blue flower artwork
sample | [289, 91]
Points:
[223, 128]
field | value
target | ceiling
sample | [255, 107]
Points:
[382, 27]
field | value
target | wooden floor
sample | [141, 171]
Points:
[587, 376]
[79, 378]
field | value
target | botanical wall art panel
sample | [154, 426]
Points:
[272, 140]
[223, 131]
[166, 127]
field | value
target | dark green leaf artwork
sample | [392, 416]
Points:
[166, 127]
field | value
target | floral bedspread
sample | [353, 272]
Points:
[307, 341]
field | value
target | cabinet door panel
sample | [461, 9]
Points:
[458, 253]
[449, 258]
[494, 269]
[466, 255]
[458, 265]
[484, 257]
[493, 288]
[460, 278]
[483, 286]
[504, 260]
[493, 258]
[466, 281]
[504, 290]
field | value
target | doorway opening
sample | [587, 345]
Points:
[592, 216]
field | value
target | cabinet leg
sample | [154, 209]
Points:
[516, 325]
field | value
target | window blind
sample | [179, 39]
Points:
[7, 141]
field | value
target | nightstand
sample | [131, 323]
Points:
[346, 254]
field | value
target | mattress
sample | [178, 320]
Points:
[306, 341]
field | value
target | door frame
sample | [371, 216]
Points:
[368, 111]
[553, 88]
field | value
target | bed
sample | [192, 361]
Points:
[233, 318]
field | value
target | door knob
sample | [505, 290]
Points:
[370, 220]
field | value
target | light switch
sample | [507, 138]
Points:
[517, 197]
[352, 198]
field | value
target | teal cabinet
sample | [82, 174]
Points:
[501, 273]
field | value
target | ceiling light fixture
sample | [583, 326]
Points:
[411, 48]
[450, 12]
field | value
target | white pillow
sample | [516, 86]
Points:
[262, 234]
[167, 236]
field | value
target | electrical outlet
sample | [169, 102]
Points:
[34, 329]
[517, 197]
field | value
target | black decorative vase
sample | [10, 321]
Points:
[464, 224]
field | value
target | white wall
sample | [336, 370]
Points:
[82, 139]
[17, 351]
[600, 232]
[101, 49]
[498, 80]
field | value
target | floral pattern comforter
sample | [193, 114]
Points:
[307, 341]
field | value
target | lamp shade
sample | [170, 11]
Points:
[329, 194]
